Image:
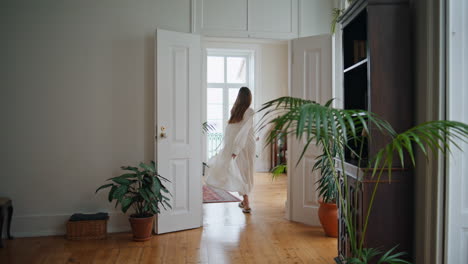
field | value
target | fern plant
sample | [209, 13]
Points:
[337, 131]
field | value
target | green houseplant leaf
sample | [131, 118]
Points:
[278, 170]
[140, 188]
[104, 186]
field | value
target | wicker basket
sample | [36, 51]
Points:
[86, 230]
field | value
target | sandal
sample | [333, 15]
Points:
[241, 204]
[246, 210]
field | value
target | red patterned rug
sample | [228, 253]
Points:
[213, 195]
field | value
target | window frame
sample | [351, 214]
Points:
[253, 48]
[249, 76]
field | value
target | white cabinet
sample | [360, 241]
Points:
[276, 19]
[315, 17]
[222, 18]
[272, 18]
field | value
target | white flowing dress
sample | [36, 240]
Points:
[235, 175]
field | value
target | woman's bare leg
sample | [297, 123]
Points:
[246, 201]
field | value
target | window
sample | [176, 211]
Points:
[226, 73]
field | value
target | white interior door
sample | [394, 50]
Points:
[457, 171]
[311, 71]
[178, 115]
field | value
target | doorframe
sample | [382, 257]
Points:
[454, 85]
[429, 178]
[288, 203]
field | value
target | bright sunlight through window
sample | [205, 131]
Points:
[226, 74]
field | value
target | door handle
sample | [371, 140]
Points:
[163, 132]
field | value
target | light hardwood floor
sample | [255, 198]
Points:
[227, 236]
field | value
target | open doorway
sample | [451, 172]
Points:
[180, 110]
[226, 71]
[263, 67]
[299, 68]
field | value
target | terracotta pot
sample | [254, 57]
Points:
[328, 215]
[141, 227]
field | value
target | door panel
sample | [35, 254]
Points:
[225, 18]
[278, 16]
[275, 19]
[311, 71]
[178, 115]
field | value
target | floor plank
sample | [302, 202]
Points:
[129, 255]
[227, 236]
[106, 256]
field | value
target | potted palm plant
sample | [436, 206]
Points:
[141, 189]
[337, 130]
[327, 191]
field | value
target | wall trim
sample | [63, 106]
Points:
[243, 41]
[54, 225]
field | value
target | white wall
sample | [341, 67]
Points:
[315, 17]
[76, 102]
[274, 84]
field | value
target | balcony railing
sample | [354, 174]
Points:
[214, 143]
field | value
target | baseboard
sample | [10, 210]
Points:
[54, 225]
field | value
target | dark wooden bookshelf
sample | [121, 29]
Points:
[377, 77]
[362, 63]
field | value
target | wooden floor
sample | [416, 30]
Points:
[227, 236]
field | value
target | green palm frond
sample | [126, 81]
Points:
[318, 124]
[388, 257]
[337, 130]
[207, 127]
[367, 255]
[435, 136]
[392, 258]
[431, 136]
[336, 13]
[327, 186]
[276, 108]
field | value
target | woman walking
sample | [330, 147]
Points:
[232, 168]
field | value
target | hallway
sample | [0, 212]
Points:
[228, 236]
[264, 236]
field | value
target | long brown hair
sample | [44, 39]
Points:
[243, 101]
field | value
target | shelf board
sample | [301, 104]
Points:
[364, 61]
